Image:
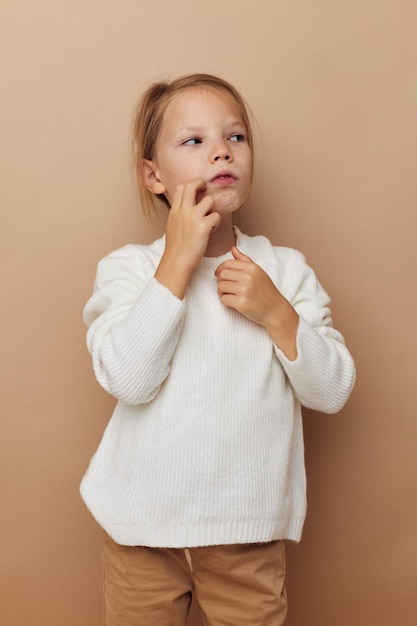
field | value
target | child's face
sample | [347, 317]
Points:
[203, 136]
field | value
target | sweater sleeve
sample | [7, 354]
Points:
[134, 324]
[323, 374]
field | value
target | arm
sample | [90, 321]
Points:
[298, 319]
[134, 327]
[135, 319]
[323, 375]
[245, 286]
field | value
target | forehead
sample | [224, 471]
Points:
[200, 102]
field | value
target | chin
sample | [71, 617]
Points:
[227, 201]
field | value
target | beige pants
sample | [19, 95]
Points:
[236, 585]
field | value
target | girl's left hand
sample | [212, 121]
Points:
[244, 286]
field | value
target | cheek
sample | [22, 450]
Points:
[250, 161]
[178, 170]
[168, 179]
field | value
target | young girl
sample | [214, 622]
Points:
[211, 341]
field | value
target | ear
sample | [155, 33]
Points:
[149, 173]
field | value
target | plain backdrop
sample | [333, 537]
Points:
[333, 88]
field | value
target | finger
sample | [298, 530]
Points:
[230, 300]
[238, 255]
[177, 196]
[191, 189]
[205, 205]
[228, 273]
[185, 193]
[193, 196]
[212, 220]
[227, 287]
[233, 264]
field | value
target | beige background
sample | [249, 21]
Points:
[333, 86]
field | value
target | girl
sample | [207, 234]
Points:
[211, 341]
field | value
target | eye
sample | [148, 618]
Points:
[237, 137]
[191, 142]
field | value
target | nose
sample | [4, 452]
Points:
[222, 151]
[226, 157]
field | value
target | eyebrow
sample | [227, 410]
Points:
[194, 129]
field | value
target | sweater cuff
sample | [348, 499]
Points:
[305, 335]
[163, 292]
[323, 373]
[158, 307]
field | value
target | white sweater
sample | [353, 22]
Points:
[205, 445]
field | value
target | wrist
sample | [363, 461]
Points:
[174, 273]
[283, 330]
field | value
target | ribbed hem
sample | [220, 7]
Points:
[193, 535]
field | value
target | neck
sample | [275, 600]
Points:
[221, 240]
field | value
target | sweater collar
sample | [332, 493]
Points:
[208, 264]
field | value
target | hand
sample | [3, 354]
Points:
[190, 223]
[244, 286]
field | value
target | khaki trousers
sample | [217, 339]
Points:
[236, 585]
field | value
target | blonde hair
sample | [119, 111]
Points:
[147, 123]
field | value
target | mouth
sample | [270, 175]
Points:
[224, 178]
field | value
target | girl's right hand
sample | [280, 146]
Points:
[189, 225]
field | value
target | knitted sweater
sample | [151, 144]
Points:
[205, 445]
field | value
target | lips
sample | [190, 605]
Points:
[224, 178]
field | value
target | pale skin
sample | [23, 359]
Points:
[202, 137]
